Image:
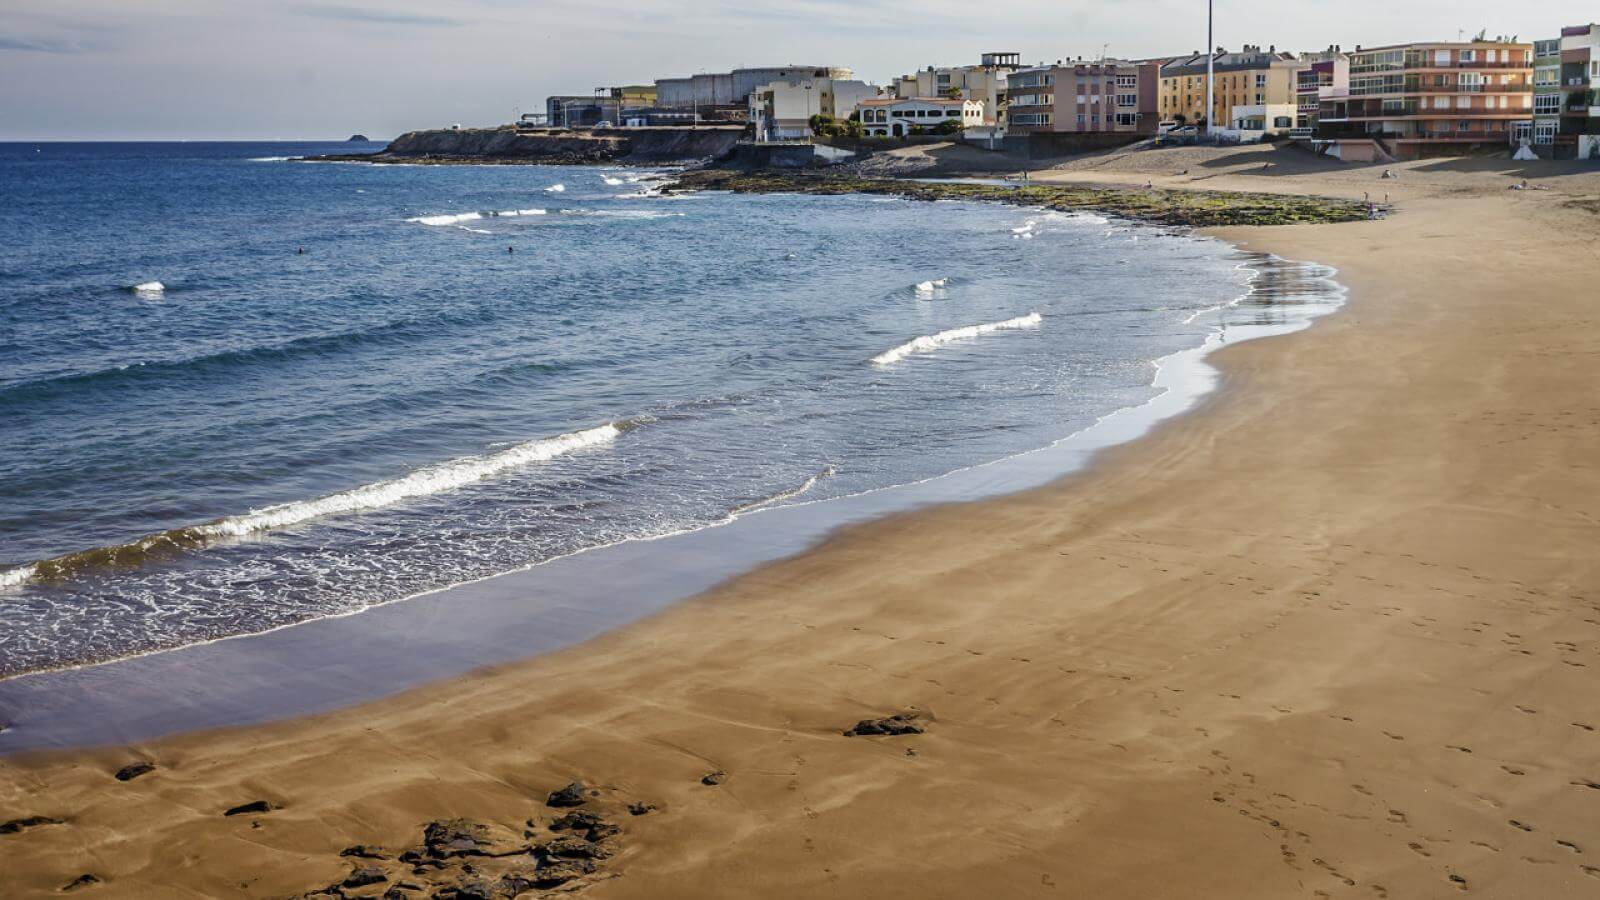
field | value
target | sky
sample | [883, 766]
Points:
[325, 69]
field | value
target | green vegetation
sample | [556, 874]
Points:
[1168, 207]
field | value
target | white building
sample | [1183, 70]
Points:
[734, 88]
[782, 110]
[985, 82]
[898, 117]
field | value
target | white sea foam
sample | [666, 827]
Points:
[622, 213]
[430, 480]
[474, 230]
[932, 342]
[446, 218]
[555, 189]
[612, 181]
[150, 287]
[270, 158]
[512, 213]
[16, 576]
[790, 494]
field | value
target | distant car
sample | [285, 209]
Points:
[603, 123]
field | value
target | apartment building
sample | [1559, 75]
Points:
[1423, 99]
[984, 82]
[1315, 85]
[899, 117]
[1547, 93]
[1249, 77]
[1578, 133]
[782, 110]
[1103, 97]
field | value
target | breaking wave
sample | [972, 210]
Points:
[433, 479]
[446, 218]
[932, 342]
[149, 287]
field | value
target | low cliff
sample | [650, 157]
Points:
[559, 146]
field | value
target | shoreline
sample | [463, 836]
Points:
[102, 705]
[1334, 634]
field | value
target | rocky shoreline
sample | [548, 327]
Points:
[1159, 206]
[549, 147]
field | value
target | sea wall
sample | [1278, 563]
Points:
[513, 145]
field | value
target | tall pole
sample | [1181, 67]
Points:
[1211, 63]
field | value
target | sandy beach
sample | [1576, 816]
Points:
[1335, 634]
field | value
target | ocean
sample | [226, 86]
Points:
[239, 392]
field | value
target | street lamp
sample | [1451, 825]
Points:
[1211, 62]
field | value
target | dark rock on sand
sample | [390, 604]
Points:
[569, 847]
[573, 794]
[82, 881]
[467, 890]
[559, 872]
[364, 851]
[19, 825]
[365, 875]
[640, 808]
[133, 770]
[899, 723]
[712, 779]
[462, 837]
[402, 891]
[254, 806]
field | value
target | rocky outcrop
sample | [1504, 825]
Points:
[633, 146]
[899, 723]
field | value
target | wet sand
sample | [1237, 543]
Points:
[1334, 634]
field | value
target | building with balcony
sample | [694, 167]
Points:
[1547, 93]
[1249, 77]
[1578, 132]
[1431, 99]
[1320, 82]
[984, 82]
[900, 117]
[1104, 97]
[782, 110]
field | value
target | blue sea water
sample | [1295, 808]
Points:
[436, 390]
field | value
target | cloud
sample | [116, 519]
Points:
[378, 16]
[40, 45]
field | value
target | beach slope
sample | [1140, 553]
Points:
[1336, 634]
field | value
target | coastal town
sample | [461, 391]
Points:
[1487, 94]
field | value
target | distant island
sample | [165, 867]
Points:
[358, 138]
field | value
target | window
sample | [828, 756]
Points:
[1544, 132]
[1261, 79]
[1546, 104]
[1127, 99]
[951, 113]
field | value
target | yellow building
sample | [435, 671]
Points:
[1250, 77]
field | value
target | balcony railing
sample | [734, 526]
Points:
[1301, 134]
[1477, 137]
